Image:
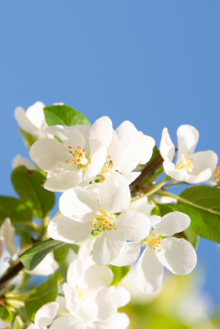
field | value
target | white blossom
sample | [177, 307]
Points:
[20, 161]
[119, 321]
[145, 143]
[177, 255]
[7, 236]
[32, 121]
[82, 291]
[82, 214]
[78, 158]
[190, 167]
[44, 317]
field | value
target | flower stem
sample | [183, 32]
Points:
[20, 313]
[155, 189]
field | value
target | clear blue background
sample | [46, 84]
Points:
[155, 63]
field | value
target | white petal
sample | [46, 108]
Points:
[98, 277]
[23, 121]
[75, 273]
[4, 324]
[107, 247]
[142, 205]
[126, 155]
[49, 154]
[20, 161]
[68, 135]
[45, 315]
[172, 223]
[63, 181]
[147, 144]
[86, 249]
[177, 174]
[204, 164]
[62, 304]
[126, 129]
[133, 225]
[121, 296]
[94, 188]
[35, 114]
[97, 162]
[128, 255]
[64, 229]
[129, 177]
[68, 322]
[101, 130]
[46, 267]
[114, 194]
[78, 204]
[31, 326]
[119, 321]
[155, 220]
[106, 306]
[149, 273]
[7, 236]
[187, 139]
[178, 255]
[88, 310]
[71, 296]
[167, 149]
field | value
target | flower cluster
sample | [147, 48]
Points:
[111, 213]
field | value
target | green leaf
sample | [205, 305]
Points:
[18, 212]
[31, 257]
[45, 293]
[163, 209]
[6, 314]
[61, 253]
[64, 115]
[202, 205]
[28, 184]
[74, 247]
[119, 273]
[28, 139]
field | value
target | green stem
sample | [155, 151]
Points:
[155, 189]
[20, 313]
[175, 184]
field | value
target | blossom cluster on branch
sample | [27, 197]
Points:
[112, 213]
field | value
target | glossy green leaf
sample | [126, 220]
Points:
[18, 212]
[163, 209]
[64, 115]
[6, 314]
[28, 184]
[61, 253]
[31, 257]
[45, 293]
[28, 139]
[119, 273]
[202, 205]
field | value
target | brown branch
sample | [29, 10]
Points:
[146, 171]
[11, 274]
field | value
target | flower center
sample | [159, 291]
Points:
[152, 242]
[79, 157]
[82, 293]
[102, 222]
[216, 175]
[184, 163]
[107, 168]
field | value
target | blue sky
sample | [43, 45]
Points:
[155, 63]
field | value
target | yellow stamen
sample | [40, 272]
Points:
[184, 163]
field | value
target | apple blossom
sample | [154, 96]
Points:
[82, 214]
[82, 291]
[190, 167]
[122, 157]
[32, 121]
[177, 255]
[78, 158]
[44, 317]
[145, 143]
